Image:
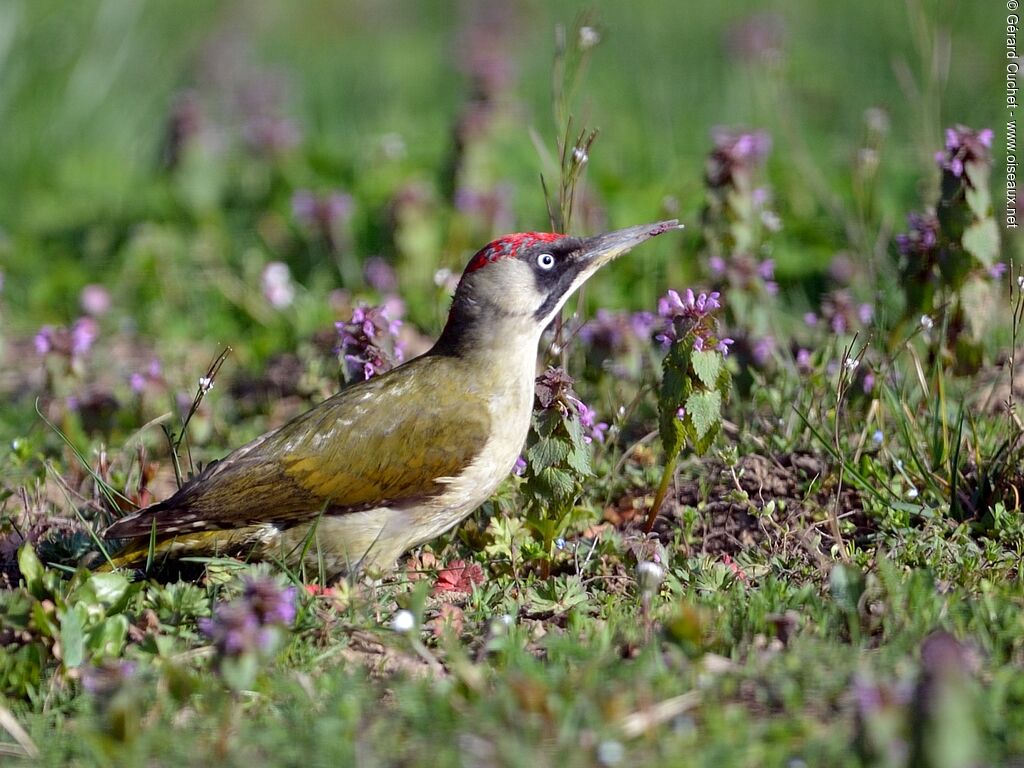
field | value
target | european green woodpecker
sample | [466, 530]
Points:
[394, 461]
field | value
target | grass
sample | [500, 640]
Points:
[836, 581]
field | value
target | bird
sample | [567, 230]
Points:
[393, 461]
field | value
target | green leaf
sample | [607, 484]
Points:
[240, 672]
[579, 460]
[675, 387]
[72, 636]
[43, 621]
[108, 637]
[672, 431]
[981, 240]
[31, 570]
[704, 409]
[701, 444]
[109, 587]
[706, 364]
[979, 199]
[559, 483]
[847, 585]
[547, 452]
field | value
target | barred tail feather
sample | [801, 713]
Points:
[137, 552]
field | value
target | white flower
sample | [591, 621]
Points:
[771, 221]
[851, 363]
[912, 493]
[276, 282]
[927, 323]
[205, 384]
[1020, 282]
[589, 37]
[501, 625]
[610, 752]
[445, 278]
[580, 156]
[403, 621]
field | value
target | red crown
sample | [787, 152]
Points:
[509, 245]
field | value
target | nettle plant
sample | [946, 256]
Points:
[695, 382]
[557, 461]
[737, 222]
[949, 258]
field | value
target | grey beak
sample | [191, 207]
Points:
[599, 250]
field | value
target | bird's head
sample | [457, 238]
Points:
[519, 282]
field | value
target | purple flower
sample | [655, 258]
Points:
[595, 430]
[757, 38]
[643, 324]
[270, 134]
[762, 350]
[234, 630]
[735, 153]
[964, 145]
[108, 678]
[810, 319]
[519, 467]
[803, 359]
[269, 602]
[746, 273]
[997, 270]
[380, 275]
[44, 340]
[923, 237]
[691, 313]
[153, 374]
[607, 331]
[83, 334]
[843, 313]
[689, 306]
[95, 300]
[247, 625]
[492, 207]
[369, 341]
[323, 215]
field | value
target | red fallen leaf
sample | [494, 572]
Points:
[450, 616]
[732, 566]
[459, 576]
[420, 565]
[319, 590]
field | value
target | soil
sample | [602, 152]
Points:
[728, 523]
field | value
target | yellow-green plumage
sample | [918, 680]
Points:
[385, 442]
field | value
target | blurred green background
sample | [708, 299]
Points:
[373, 94]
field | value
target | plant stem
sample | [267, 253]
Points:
[659, 497]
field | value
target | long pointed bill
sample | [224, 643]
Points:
[594, 253]
[599, 250]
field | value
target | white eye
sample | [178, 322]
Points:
[545, 261]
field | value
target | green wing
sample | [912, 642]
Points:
[384, 441]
